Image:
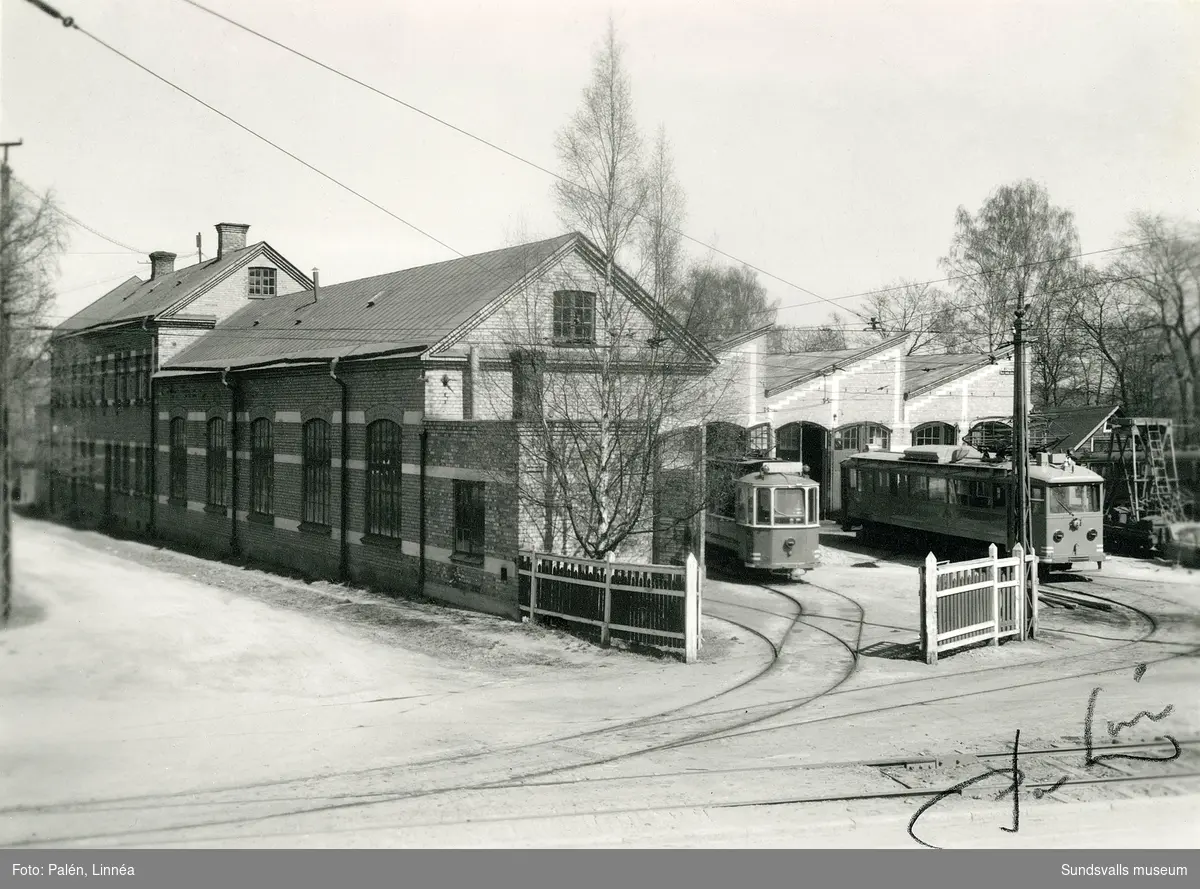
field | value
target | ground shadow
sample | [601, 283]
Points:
[894, 651]
[25, 612]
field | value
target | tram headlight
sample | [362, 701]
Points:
[1058, 536]
[1076, 523]
[789, 543]
[1091, 535]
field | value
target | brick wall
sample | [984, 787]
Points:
[467, 451]
[95, 408]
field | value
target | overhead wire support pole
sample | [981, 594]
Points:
[1020, 458]
[5, 387]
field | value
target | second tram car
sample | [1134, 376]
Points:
[956, 492]
[765, 514]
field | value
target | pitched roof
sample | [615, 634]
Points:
[135, 299]
[923, 373]
[1068, 428]
[408, 311]
[783, 371]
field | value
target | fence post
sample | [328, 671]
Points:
[1033, 580]
[691, 609]
[994, 555]
[533, 572]
[929, 609]
[1018, 554]
[608, 570]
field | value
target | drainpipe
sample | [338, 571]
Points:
[344, 553]
[421, 551]
[153, 449]
[234, 545]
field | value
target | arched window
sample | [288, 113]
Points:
[315, 463]
[935, 434]
[383, 479]
[178, 462]
[990, 435]
[215, 457]
[262, 467]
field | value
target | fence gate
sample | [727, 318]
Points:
[652, 604]
[989, 599]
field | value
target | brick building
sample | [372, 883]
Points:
[820, 407]
[385, 430]
[103, 358]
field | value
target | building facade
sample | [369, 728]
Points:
[102, 433]
[821, 407]
[391, 431]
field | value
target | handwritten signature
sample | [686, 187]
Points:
[1091, 758]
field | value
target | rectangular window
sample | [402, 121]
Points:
[937, 489]
[528, 378]
[316, 461]
[468, 518]
[762, 512]
[178, 461]
[215, 462]
[139, 470]
[574, 317]
[846, 439]
[918, 486]
[383, 479]
[262, 467]
[1069, 499]
[852, 475]
[790, 504]
[262, 282]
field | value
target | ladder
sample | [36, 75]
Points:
[1162, 484]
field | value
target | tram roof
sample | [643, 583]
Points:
[1049, 468]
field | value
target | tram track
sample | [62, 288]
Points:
[284, 807]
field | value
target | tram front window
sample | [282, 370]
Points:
[762, 512]
[789, 506]
[1066, 499]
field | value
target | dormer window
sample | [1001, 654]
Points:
[574, 317]
[262, 282]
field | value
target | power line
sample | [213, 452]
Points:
[79, 222]
[488, 143]
[69, 22]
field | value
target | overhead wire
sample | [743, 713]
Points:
[488, 143]
[492, 145]
[70, 23]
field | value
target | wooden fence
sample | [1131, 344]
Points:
[963, 603]
[651, 604]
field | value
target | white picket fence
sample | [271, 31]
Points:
[652, 604]
[963, 603]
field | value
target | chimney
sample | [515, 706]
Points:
[316, 284]
[231, 236]
[161, 263]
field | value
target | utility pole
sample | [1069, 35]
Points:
[1020, 458]
[5, 388]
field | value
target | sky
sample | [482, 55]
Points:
[827, 144]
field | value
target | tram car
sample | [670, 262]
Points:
[764, 515]
[960, 493]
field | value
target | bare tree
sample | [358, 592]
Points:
[604, 190]
[1019, 249]
[1163, 275]
[661, 241]
[617, 376]
[34, 239]
[832, 336]
[1122, 332]
[920, 309]
[717, 303]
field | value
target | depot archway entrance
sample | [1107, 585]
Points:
[809, 443]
